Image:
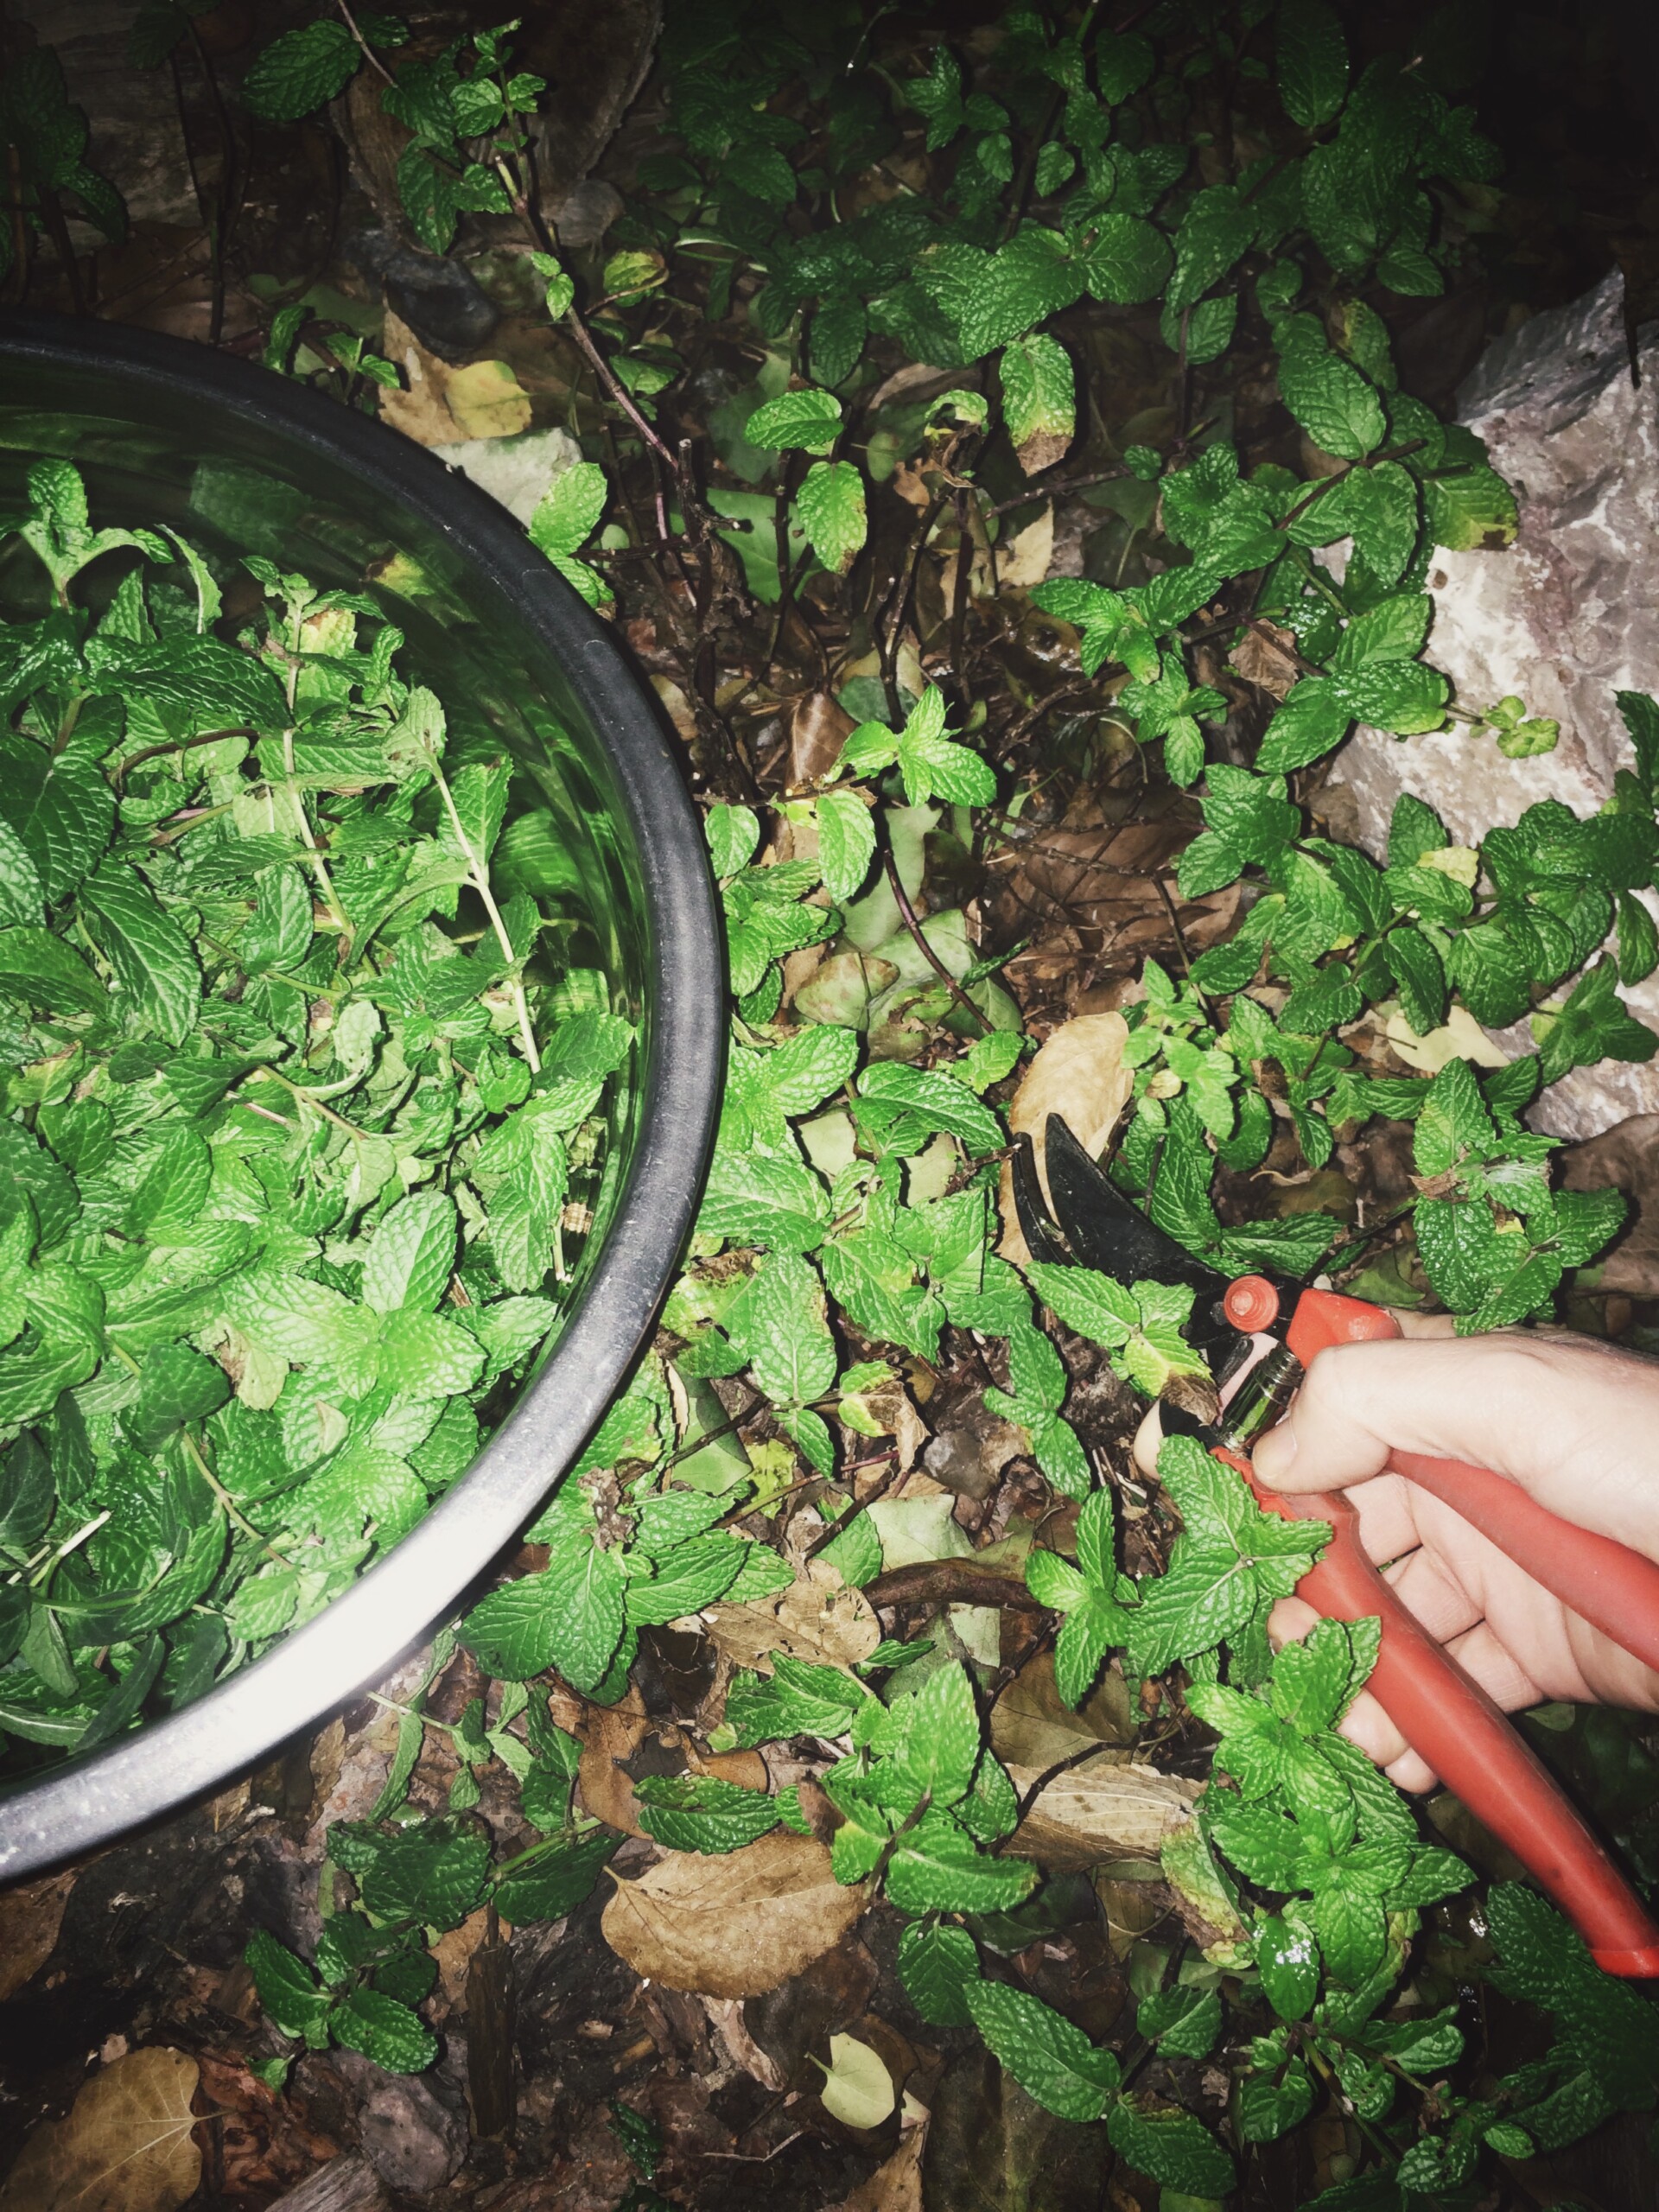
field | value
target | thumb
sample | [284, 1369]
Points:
[1337, 1431]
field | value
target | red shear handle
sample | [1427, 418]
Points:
[1607, 1584]
[1613, 1587]
[1456, 1728]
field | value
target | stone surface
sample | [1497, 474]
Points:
[413, 2143]
[516, 471]
[1566, 618]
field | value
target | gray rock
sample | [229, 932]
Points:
[439, 300]
[1568, 616]
[587, 211]
[415, 2144]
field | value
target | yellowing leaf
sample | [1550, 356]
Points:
[1460, 862]
[857, 2088]
[125, 2145]
[1460, 1037]
[486, 400]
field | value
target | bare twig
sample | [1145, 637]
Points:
[369, 53]
[949, 1582]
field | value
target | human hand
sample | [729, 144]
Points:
[1573, 1421]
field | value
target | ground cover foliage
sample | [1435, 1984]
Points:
[992, 446]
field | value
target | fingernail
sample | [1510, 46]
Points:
[1274, 1454]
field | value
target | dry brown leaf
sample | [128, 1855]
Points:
[1042, 452]
[30, 1916]
[896, 2185]
[1108, 1807]
[1100, 876]
[819, 1618]
[1031, 1726]
[610, 1733]
[1132, 1908]
[418, 411]
[125, 2145]
[454, 1953]
[1080, 1075]
[1025, 559]
[818, 727]
[746, 1769]
[677, 706]
[733, 1926]
[1267, 656]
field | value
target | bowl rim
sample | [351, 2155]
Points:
[87, 1801]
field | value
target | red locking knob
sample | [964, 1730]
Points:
[1251, 1304]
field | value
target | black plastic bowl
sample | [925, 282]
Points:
[234, 456]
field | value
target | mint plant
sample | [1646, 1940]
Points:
[853, 341]
[288, 1143]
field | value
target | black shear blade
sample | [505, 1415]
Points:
[1107, 1231]
[1043, 1240]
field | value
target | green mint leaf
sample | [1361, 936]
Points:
[433, 1874]
[383, 2030]
[688, 1578]
[1052, 2060]
[903, 1106]
[765, 1199]
[1473, 507]
[781, 1325]
[704, 1813]
[1183, 2022]
[856, 1552]
[937, 1966]
[938, 1867]
[1176, 2149]
[1641, 718]
[1592, 1025]
[1127, 260]
[1039, 401]
[1334, 403]
[568, 511]
[1311, 62]
[830, 507]
[1287, 1959]
[412, 1255]
[846, 843]
[551, 1883]
[300, 71]
[287, 1988]
[809, 419]
[941, 1749]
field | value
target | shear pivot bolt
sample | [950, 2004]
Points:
[1251, 1303]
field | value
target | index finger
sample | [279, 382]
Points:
[1575, 1422]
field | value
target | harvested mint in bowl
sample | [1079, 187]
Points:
[359, 1022]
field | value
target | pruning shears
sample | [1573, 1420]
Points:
[1442, 1714]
